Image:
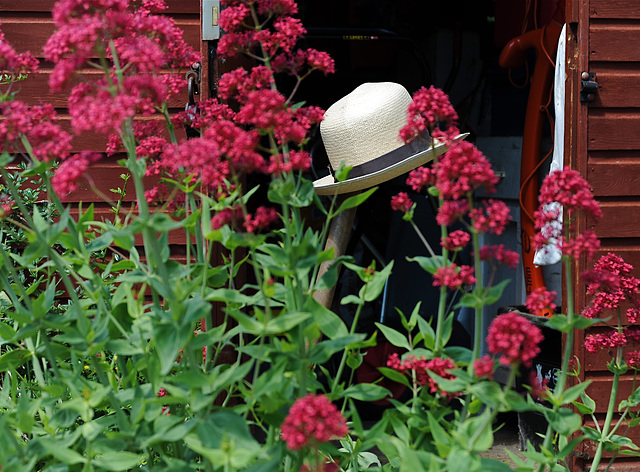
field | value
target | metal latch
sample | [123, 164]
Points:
[589, 87]
[210, 14]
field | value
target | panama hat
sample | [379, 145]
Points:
[362, 130]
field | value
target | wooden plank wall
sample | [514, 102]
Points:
[608, 152]
[27, 26]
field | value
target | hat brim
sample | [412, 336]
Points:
[328, 186]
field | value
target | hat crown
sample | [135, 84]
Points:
[365, 124]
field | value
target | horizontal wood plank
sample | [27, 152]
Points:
[617, 174]
[600, 390]
[175, 6]
[613, 130]
[619, 9]
[34, 90]
[621, 219]
[612, 42]
[616, 83]
[31, 33]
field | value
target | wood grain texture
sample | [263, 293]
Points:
[614, 173]
[612, 41]
[617, 82]
[621, 219]
[613, 129]
[30, 33]
[619, 9]
[175, 6]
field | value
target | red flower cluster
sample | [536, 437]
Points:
[514, 338]
[456, 240]
[312, 420]
[569, 189]
[13, 63]
[277, 42]
[454, 276]
[430, 110]
[541, 301]
[484, 367]
[421, 367]
[401, 202]
[610, 283]
[462, 170]
[39, 125]
[500, 254]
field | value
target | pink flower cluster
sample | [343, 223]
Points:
[610, 283]
[453, 276]
[420, 367]
[514, 338]
[276, 42]
[39, 125]
[541, 302]
[430, 111]
[312, 420]
[484, 367]
[500, 254]
[568, 188]
[13, 63]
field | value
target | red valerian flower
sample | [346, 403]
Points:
[421, 368]
[571, 190]
[514, 338]
[462, 170]
[484, 367]
[401, 202]
[13, 63]
[633, 359]
[605, 341]
[456, 240]
[610, 283]
[541, 301]
[67, 175]
[492, 216]
[500, 254]
[454, 276]
[451, 211]
[421, 177]
[429, 108]
[312, 420]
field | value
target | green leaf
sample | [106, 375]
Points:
[60, 452]
[394, 375]
[355, 200]
[351, 299]
[322, 351]
[428, 334]
[285, 323]
[118, 460]
[365, 392]
[573, 393]
[429, 264]
[13, 359]
[394, 337]
[564, 421]
[374, 287]
[330, 324]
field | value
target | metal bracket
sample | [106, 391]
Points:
[589, 87]
[210, 14]
[193, 82]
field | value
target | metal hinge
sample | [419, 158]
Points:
[589, 87]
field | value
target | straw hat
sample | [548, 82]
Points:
[362, 129]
